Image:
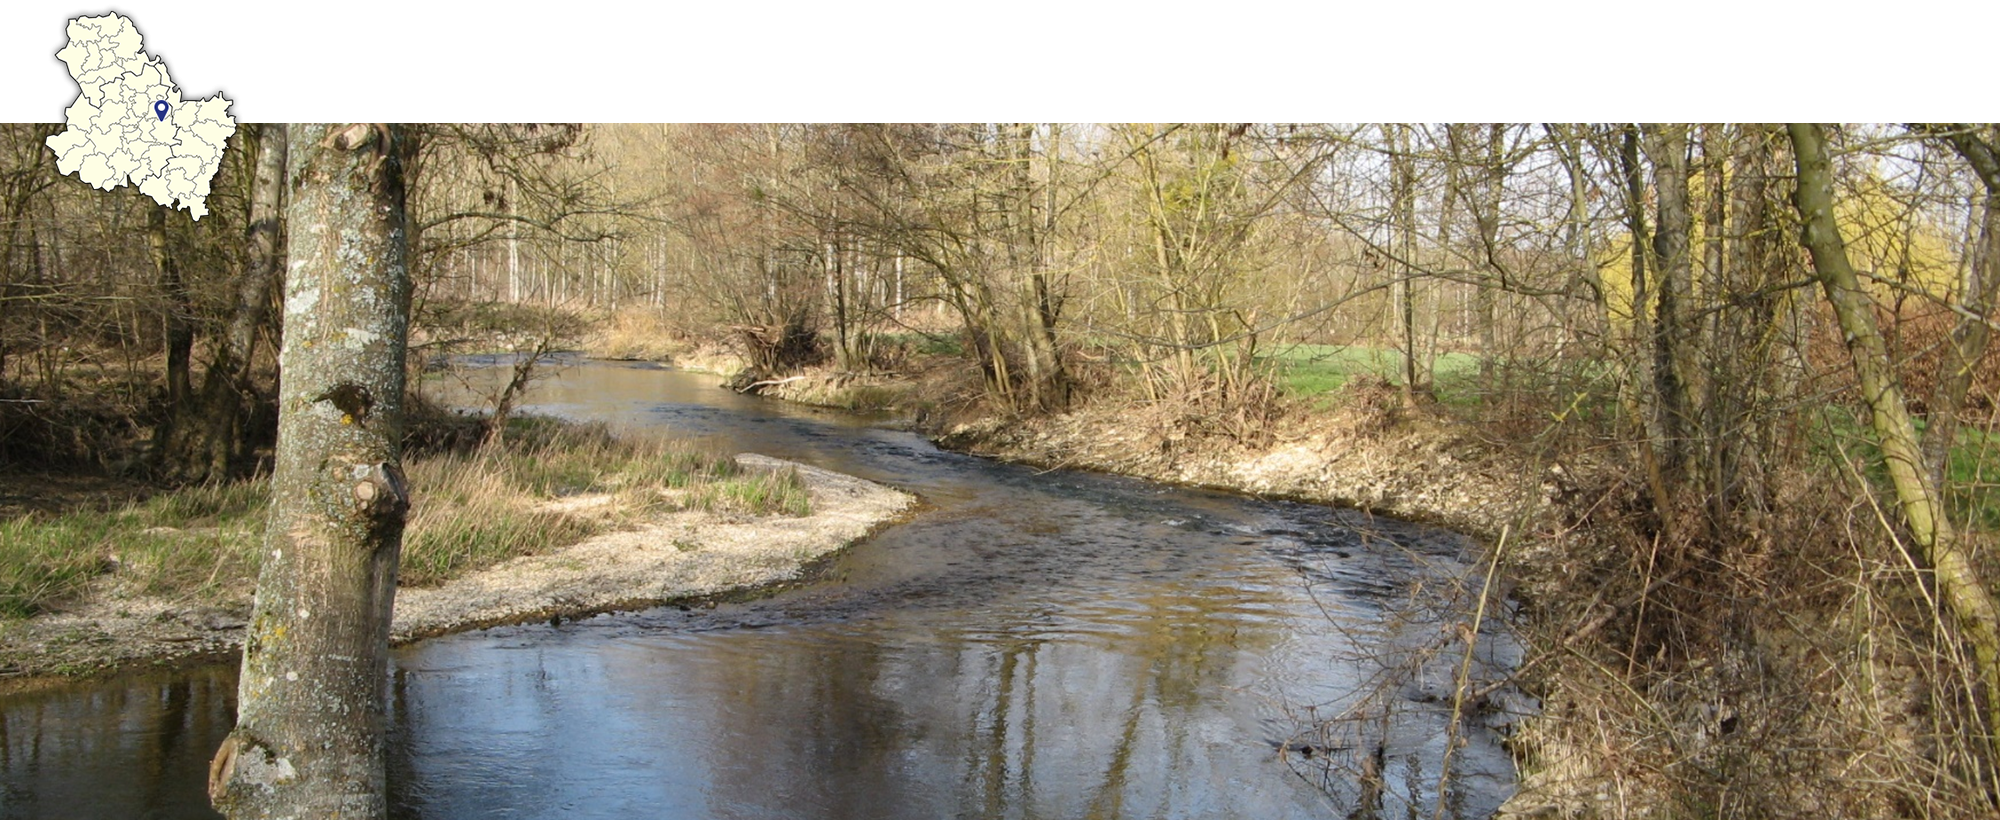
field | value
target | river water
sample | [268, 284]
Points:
[1033, 645]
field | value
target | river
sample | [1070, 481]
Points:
[1036, 644]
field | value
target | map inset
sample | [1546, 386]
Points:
[129, 123]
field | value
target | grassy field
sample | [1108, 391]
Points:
[1305, 371]
[548, 486]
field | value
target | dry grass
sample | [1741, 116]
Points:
[640, 333]
[1791, 664]
[549, 485]
[486, 506]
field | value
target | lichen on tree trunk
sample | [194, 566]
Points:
[309, 735]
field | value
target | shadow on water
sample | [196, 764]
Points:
[1039, 645]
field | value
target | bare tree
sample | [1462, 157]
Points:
[1980, 147]
[204, 438]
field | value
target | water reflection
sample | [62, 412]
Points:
[907, 714]
[1040, 645]
[135, 747]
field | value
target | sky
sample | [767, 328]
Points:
[1038, 60]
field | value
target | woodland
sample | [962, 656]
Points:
[1744, 370]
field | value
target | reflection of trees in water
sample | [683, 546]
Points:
[400, 764]
[1179, 655]
[1066, 713]
[1131, 678]
[173, 696]
[483, 727]
[1016, 662]
[121, 751]
[812, 708]
[1430, 684]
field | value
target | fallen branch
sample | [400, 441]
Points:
[767, 383]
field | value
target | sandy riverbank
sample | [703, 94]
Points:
[673, 556]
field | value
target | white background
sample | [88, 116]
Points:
[1082, 60]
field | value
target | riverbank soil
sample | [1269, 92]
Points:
[1367, 453]
[675, 552]
[1762, 665]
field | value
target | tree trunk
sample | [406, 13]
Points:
[1713, 373]
[1484, 205]
[309, 734]
[209, 437]
[1755, 326]
[1486, 214]
[1047, 303]
[179, 336]
[513, 245]
[1402, 231]
[1576, 227]
[836, 288]
[1667, 147]
[1644, 387]
[1047, 311]
[1965, 594]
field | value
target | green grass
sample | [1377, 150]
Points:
[186, 543]
[198, 541]
[1972, 474]
[1972, 481]
[1305, 371]
[471, 510]
[49, 559]
[780, 491]
[483, 531]
[929, 345]
[208, 505]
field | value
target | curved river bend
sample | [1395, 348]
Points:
[1035, 645]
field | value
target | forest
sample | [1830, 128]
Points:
[1733, 382]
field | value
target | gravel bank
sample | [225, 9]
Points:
[684, 555]
[678, 555]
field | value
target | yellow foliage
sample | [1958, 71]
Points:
[1884, 238]
[1614, 267]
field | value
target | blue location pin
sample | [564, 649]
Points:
[160, 108]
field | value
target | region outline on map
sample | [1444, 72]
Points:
[115, 133]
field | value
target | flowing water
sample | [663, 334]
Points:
[1034, 645]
